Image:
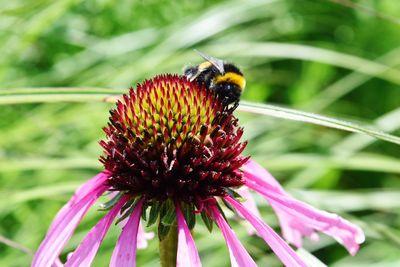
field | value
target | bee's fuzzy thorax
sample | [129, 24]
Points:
[231, 77]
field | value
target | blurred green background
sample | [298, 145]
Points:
[326, 57]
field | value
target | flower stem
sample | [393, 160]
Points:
[168, 248]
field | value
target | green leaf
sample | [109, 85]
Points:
[127, 209]
[228, 205]
[233, 193]
[154, 212]
[296, 115]
[144, 211]
[168, 216]
[222, 213]
[131, 202]
[111, 203]
[190, 216]
[207, 221]
[127, 213]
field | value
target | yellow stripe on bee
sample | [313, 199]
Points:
[205, 65]
[231, 77]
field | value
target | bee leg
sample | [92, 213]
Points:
[191, 73]
[235, 104]
[230, 106]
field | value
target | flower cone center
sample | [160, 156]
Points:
[171, 138]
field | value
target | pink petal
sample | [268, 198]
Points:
[143, 236]
[293, 232]
[304, 218]
[80, 193]
[124, 254]
[187, 254]
[260, 175]
[299, 219]
[257, 174]
[90, 185]
[57, 263]
[238, 254]
[254, 169]
[280, 248]
[86, 251]
[60, 233]
[249, 204]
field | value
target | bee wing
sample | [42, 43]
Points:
[218, 63]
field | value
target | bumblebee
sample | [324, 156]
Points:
[225, 79]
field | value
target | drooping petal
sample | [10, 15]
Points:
[57, 263]
[299, 219]
[249, 204]
[260, 175]
[124, 254]
[303, 217]
[60, 233]
[80, 193]
[187, 254]
[238, 254]
[294, 231]
[277, 244]
[143, 237]
[293, 234]
[87, 249]
[257, 174]
[90, 185]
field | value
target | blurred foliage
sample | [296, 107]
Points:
[320, 56]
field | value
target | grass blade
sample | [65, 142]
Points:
[296, 115]
[37, 95]
[57, 94]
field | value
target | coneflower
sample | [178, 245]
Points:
[173, 155]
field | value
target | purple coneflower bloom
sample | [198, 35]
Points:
[173, 153]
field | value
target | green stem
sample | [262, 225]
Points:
[168, 248]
